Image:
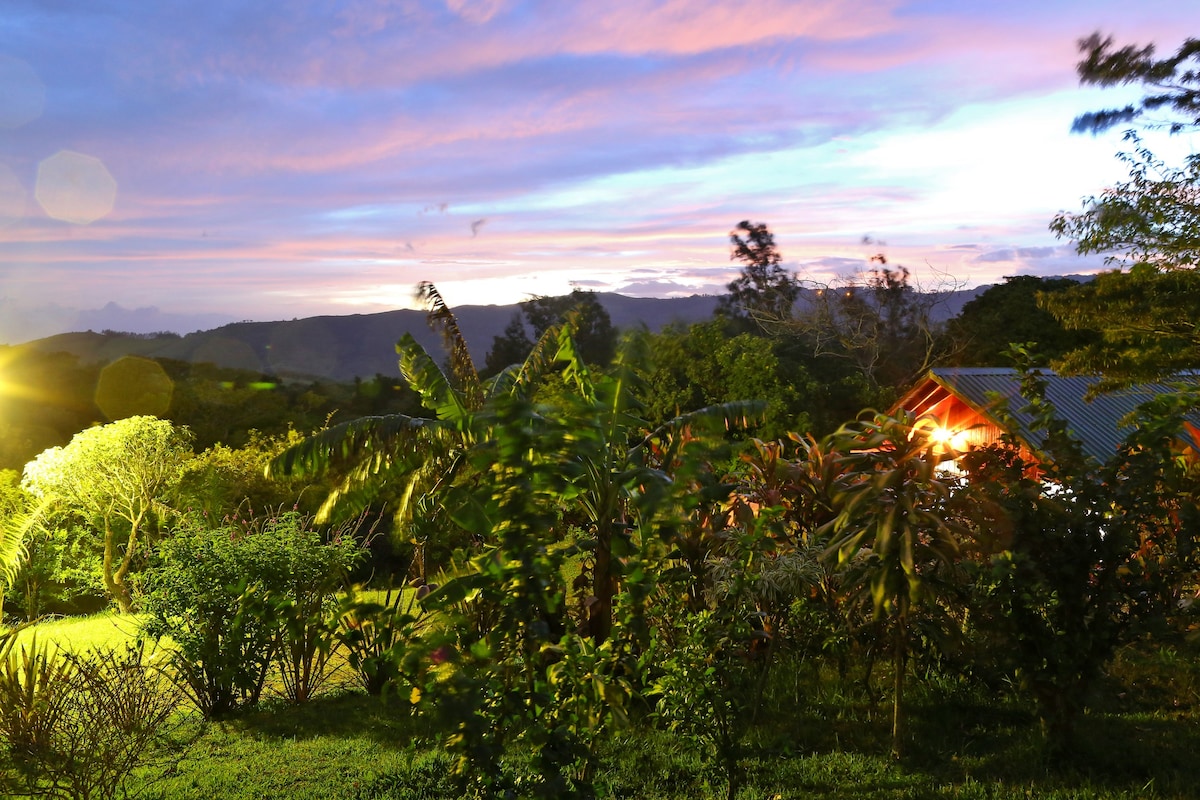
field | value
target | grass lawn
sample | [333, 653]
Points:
[818, 738]
[108, 630]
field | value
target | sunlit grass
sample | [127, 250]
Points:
[105, 631]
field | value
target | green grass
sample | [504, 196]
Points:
[109, 630]
[818, 737]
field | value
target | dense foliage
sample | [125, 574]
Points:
[241, 597]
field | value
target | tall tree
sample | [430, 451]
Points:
[1173, 83]
[1009, 313]
[115, 477]
[1148, 224]
[764, 292]
[1152, 219]
[594, 332]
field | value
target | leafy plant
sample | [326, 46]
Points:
[712, 664]
[78, 726]
[237, 598]
[373, 635]
[893, 527]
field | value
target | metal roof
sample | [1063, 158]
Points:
[1095, 423]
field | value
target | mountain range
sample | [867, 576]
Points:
[342, 348]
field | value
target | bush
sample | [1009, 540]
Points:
[239, 598]
[374, 635]
[78, 725]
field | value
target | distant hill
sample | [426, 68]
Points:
[342, 348]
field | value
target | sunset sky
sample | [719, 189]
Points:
[210, 161]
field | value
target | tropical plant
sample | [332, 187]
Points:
[893, 527]
[406, 459]
[625, 482]
[374, 635]
[522, 679]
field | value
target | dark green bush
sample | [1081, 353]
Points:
[242, 597]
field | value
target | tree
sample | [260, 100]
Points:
[892, 528]
[594, 331]
[1152, 220]
[1148, 323]
[1149, 224]
[1173, 83]
[879, 322]
[409, 459]
[764, 292]
[1010, 313]
[114, 477]
[1146, 316]
[702, 365]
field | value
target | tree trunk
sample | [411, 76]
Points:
[899, 665]
[600, 614]
[114, 580]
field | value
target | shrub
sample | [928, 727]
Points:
[240, 598]
[373, 634]
[78, 725]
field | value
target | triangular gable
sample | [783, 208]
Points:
[962, 397]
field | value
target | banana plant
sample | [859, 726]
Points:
[410, 458]
[624, 467]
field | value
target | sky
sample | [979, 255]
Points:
[170, 165]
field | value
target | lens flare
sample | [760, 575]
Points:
[133, 386]
[75, 187]
[12, 197]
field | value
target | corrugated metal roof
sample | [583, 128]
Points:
[1095, 423]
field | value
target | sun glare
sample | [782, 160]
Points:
[11, 388]
[949, 439]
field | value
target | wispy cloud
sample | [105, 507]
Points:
[326, 159]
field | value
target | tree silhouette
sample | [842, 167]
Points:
[765, 292]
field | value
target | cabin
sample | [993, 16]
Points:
[963, 403]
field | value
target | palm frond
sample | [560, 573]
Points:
[442, 321]
[426, 378]
[524, 378]
[12, 551]
[354, 442]
[14, 531]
